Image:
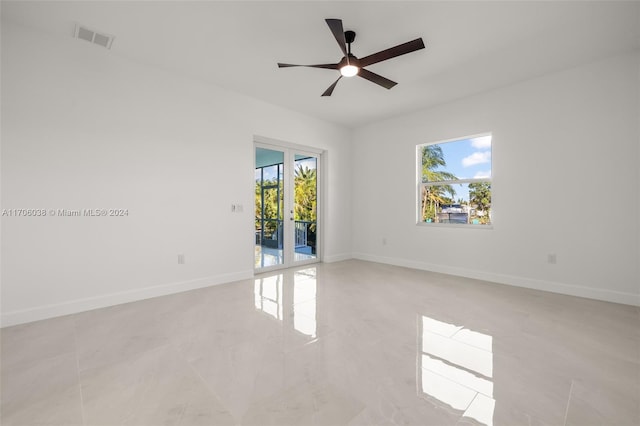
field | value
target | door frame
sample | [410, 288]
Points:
[289, 149]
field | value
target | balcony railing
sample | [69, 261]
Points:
[302, 229]
[270, 234]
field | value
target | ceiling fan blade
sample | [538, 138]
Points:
[375, 78]
[401, 49]
[335, 25]
[327, 66]
[329, 91]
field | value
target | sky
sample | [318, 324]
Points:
[467, 159]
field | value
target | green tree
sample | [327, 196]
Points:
[305, 195]
[272, 190]
[305, 199]
[434, 196]
[480, 198]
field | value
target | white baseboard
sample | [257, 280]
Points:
[550, 286]
[337, 258]
[80, 305]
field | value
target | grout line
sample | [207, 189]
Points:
[75, 339]
[566, 412]
[445, 361]
[206, 385]
[467, 408]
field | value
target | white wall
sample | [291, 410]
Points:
[84, 128]
[565, 168]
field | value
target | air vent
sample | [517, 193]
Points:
[83, 33]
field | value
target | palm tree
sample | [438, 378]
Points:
[305, 180]
[433, 196]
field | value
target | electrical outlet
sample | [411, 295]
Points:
[233, 208]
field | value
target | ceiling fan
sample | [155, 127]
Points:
[350, 65]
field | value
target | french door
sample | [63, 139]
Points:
[286, 207]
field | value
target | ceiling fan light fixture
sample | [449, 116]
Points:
[349, 70]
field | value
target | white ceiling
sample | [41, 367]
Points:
[471, 46]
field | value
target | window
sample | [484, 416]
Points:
[454, 181]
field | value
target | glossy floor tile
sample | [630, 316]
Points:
[348, 343]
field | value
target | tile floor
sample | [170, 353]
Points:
[349, 343]
[265, 256]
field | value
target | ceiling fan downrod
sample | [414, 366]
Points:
[349, 37]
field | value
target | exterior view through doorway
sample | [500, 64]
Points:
[286, 206]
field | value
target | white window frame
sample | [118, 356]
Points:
[421, 185]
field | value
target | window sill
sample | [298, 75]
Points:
[453, 225]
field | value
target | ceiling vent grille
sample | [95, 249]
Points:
[83, 33]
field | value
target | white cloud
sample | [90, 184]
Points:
[482, 174]
[481, 142]
[477, 158]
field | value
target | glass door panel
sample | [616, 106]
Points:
[305, 199]
[269, 213]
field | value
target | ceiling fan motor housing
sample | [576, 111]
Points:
[349, 60]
